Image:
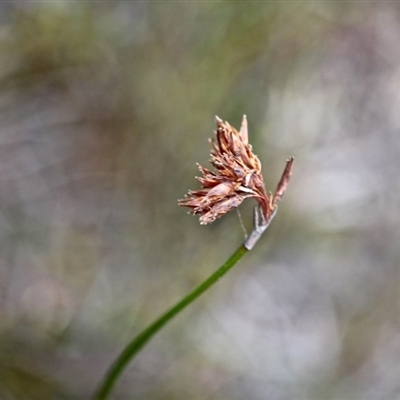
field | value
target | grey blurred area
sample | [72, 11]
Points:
[105, 107]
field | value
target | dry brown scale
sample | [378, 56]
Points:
[237, 177]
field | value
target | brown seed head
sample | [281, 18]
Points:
[237, 176]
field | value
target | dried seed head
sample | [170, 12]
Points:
[237, 177]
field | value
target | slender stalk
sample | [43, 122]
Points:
[140, 340]
[237, 176]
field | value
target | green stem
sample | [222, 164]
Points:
[140, 340]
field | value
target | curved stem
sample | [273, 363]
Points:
[140, 340]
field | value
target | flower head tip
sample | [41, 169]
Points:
[236, 177]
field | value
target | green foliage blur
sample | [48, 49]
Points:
[105, 109]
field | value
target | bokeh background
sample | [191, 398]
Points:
[105, 107]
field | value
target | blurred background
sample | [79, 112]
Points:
[105, 107]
